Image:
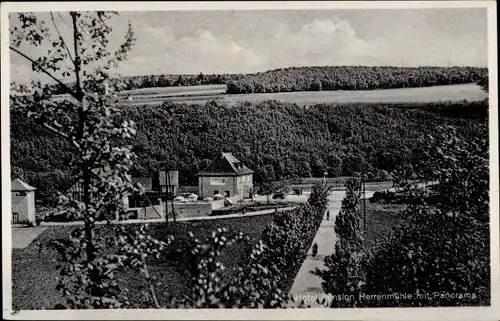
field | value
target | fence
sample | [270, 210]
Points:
[340, 185]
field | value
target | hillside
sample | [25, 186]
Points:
[275, 139]
[206, 93]
[352, 78]
[314, 79]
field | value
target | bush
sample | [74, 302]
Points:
[383, 175]
[263, 279]
[344, 272]
[441, 253]
[279, 195]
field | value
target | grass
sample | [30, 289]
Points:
[176, 90]
[380, 220]
[471, 92]
[34, 273]
[204, 94]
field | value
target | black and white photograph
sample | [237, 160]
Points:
[259, 157]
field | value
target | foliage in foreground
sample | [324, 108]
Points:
[90, 262]
[440, 254]
[343, 275]
[96, 136]
[261, 280]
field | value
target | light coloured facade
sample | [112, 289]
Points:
[226, 176]
[23, 203]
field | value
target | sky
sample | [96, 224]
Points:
[240, 41]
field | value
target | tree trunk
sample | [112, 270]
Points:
[89, 220]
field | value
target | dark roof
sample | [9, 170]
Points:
[225, 165]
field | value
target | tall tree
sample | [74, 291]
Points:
[442, 248]
[343, 273]
[96, 132]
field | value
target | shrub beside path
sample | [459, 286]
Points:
[22, 237]
[306, 286]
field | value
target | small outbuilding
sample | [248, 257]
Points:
[23, 202]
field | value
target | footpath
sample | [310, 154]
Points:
[306, 288]
[183, 219]
[24, 236]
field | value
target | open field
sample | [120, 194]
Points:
[203, 94]
[181, 90]
[470, 92]
[380, 220]
[34, 273]
[206, 93]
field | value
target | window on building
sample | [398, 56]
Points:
[216, 192]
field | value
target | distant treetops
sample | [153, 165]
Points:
[315, 79]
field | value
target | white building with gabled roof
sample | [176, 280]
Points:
[226, 176]
[23, 202]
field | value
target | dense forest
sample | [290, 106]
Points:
[277, 140]
[352, 78]
[314, 79]
[138, 82]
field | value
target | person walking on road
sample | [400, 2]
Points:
[315, 249]
[327, 215]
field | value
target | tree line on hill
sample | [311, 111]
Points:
[277, 140]
[137, 82]
[313, 79]
[152, 81]
[352, 78]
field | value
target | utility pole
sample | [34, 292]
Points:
[164, 190]
[364, 200]
[167, 173]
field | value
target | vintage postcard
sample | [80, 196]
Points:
[250, 160]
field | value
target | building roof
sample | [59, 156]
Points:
[18, 185]
[225, 165]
